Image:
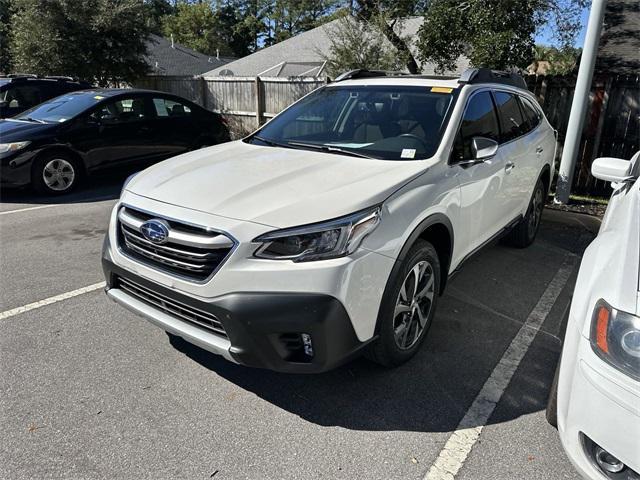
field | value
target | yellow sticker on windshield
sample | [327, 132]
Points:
[441, 90]
[98, 97]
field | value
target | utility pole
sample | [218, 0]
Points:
[579, 104]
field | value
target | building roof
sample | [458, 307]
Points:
[304, 54]
[169, 58]
[619, 50]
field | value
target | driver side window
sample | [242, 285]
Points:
[479, 120]
[123, 110]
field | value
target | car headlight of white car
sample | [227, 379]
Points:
[319, 241]
[615, 337]
[12, 147]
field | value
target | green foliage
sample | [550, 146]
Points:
[561, 61]
[97, 40]
[194, 26]
[291, 17]
[5, 23]
[356, 44]
[493, 34]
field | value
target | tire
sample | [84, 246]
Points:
[552, 403]
[524, 233]
[55, 173]
[405, 319]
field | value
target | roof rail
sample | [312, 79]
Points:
[21, 75]
[473, 76]
[364, 73]
[59, 77]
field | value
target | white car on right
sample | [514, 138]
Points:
[597, 394]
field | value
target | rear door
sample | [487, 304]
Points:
[517, 154]
[116, 132]
[484, 207]
[175, 126]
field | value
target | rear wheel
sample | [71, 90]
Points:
[524, 233]
[55, 174]
[408, 307]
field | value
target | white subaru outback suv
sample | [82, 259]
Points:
[332, 229]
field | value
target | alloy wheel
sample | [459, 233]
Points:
[536, 211]
[413, 305]
[58, 174]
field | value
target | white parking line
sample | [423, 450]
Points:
[459, 445]
[7, 212]
[48, 301]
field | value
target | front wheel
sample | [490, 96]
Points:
[524, 233]
[407, 307]
[55, 174]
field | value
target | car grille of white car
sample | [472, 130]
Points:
[191, 252]
[171, 307]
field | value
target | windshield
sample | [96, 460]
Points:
[61, 109]
[382, 122]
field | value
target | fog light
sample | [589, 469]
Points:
[608, 462]
[308, 346]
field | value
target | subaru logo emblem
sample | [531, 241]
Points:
[155, 231]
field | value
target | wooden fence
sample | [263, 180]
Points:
[247, 101]
[612, 126]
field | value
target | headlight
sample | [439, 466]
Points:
[12, 147]
[615, 337]
[319, 241]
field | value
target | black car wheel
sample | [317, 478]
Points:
[408, 307]
[55, 173]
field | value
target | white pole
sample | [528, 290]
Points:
[579, 104]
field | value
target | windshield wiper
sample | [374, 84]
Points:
[271, 142]
[31, 119]
[330, 149]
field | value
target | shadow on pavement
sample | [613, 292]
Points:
[484, 307]
[94, 189]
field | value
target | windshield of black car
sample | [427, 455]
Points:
[61, 109]
[385, 122]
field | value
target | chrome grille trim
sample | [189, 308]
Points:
[172, 307]
[191, 252]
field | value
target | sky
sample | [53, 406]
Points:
[545, 37]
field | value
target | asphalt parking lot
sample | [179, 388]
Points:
[91, 391]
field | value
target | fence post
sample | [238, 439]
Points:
[203, 91]
[259, 101]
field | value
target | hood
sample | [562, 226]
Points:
[18, 130]
[278, 187]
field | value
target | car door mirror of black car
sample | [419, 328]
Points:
[4, 104]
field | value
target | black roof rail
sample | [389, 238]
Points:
[472, 76]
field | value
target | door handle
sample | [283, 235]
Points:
[509, 166]
[539, 150]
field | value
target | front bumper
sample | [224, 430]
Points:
[15, 169]
[259, 326]
[603, 405]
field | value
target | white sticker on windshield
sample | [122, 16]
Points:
[408, 153]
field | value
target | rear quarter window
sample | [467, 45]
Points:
[512, 123]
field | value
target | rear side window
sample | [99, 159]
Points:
[170, 108]
[479, 120]
[511, 121]
[531, 113]
[22, 96]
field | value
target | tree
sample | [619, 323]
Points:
[291, 17]
[493, 34]
[387, 16]
[98, 40]
[156, 11]
[559, 61]
[5, 22]
[194, 26]
[357, 44]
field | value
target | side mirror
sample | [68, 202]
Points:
[4, 104]
[611, 169]
[483, 148]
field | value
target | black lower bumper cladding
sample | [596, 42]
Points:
[265, 328]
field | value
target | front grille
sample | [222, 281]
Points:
[190, 251]
[171, 307]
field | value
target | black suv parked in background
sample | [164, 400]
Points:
[20, 92]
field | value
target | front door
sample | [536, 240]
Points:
[484, 207]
